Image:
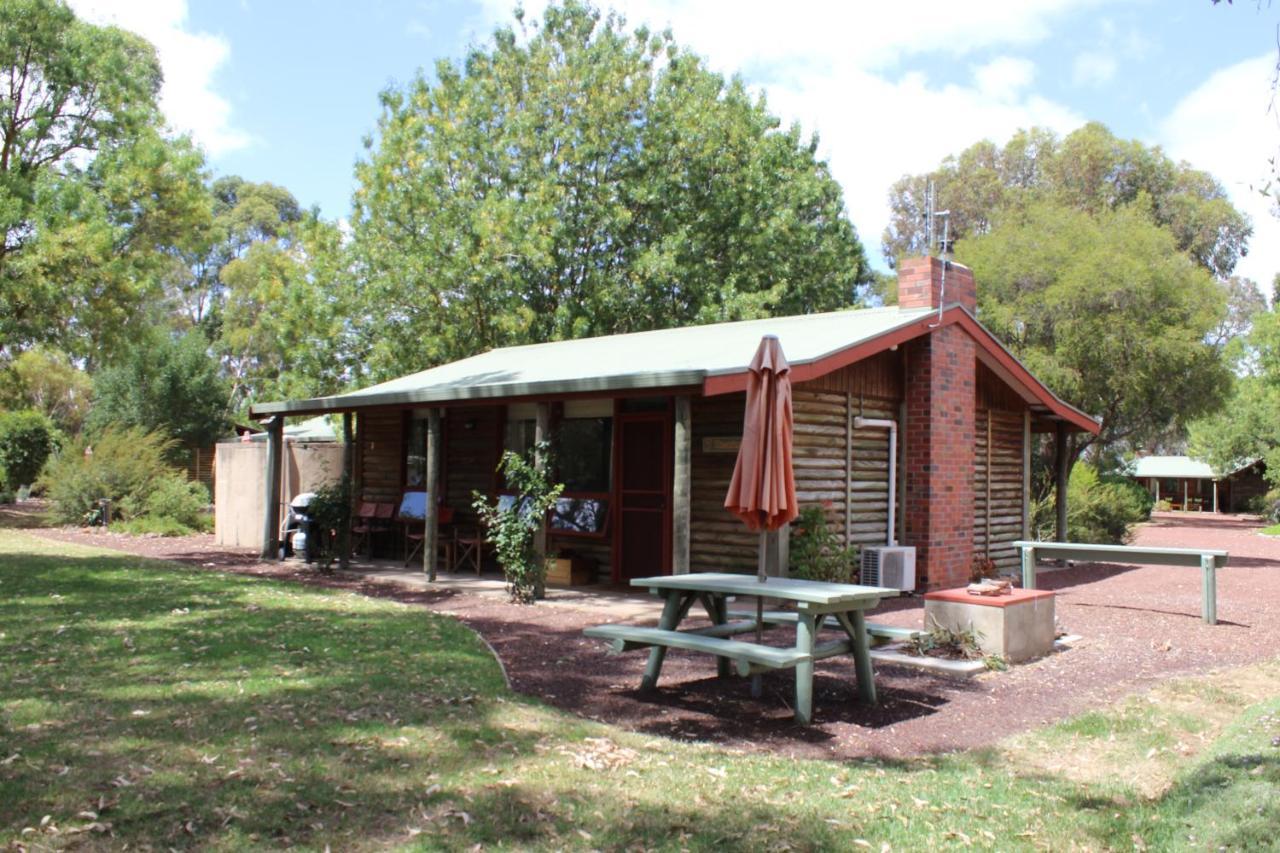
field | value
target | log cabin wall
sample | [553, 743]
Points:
[998, 475]
[718, 541]
[472, 444]
[843, 469]
[380, 444]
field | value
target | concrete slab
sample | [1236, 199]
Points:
[612, 603]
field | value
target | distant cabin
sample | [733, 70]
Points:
[1193, 486]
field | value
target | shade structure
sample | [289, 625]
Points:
[763, 489]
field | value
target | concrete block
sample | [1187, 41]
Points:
[1018, 627]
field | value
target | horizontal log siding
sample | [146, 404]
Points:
[819, 457]
[997, 488]
[470, 457]
[718, 541]
[381, 451]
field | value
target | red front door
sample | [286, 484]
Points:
[642, 539]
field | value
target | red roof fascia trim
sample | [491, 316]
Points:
[731, 382]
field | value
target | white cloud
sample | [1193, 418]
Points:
[1093, 69]
[1226, 127]
[189, 60]
[1005, 78]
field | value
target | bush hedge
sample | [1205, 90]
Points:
[27, 439]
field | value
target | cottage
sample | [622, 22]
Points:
[646, 427]
[1188, 484]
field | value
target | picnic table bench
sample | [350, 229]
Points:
[815, 602]
[1208, 559]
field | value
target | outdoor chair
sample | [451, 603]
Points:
[372, 517]
[416, 534]
[468, 547]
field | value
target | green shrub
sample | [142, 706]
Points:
[27, 438]
[122, 465]
[330, 509]
[1267, 506]
[152, 526]
[178, 499]
[816, 553]
[1101, 509]
[511, 530]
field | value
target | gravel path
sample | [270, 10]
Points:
[1140, 625]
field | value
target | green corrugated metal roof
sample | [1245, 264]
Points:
[663, 358]
[1176, 467]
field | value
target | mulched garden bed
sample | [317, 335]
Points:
[1139, 626]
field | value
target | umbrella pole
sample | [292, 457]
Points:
[756, 688]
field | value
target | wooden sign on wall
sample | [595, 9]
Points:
[721, 444]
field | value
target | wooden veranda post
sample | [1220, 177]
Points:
[1063, 468]
[344, 535]
[1026, 474]
[541, 433]
[681, 490]
[275, 462]
[431, 537]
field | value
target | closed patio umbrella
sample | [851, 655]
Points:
[763, 489]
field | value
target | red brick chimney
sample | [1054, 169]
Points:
[920, 284]
[940, 429]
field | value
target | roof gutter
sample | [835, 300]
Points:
[460, 393]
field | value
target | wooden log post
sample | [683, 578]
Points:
[681, 487]
[431, 536]
[1026, 474]
[348, 455]
[541, 433]
[275, 463]
[1063, 469]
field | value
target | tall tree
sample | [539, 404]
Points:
[92, 196]
[284, 327]
[47, 381]
[163, 383]
[1107, 311]
[578, 178]
[244, 213]
[1090, 170]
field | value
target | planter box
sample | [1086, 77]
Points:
[1018, 627]
[570, 571]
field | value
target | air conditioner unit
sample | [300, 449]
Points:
[892, 566]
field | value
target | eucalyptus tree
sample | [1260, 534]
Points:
[575, 177]
[94, 198]
[1089, 170]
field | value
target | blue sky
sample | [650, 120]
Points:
[286, 91]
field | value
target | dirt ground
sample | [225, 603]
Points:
[1140, 626]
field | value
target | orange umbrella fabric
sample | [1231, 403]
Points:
[763, 490]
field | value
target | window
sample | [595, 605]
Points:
[519, 436]
[415, 455]
[584, 454]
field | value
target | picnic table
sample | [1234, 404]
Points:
[813, 601]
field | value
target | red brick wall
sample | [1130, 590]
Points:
[940, 445]
[920, 283]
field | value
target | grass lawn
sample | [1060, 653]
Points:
[1273, 530]
[150, 705]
